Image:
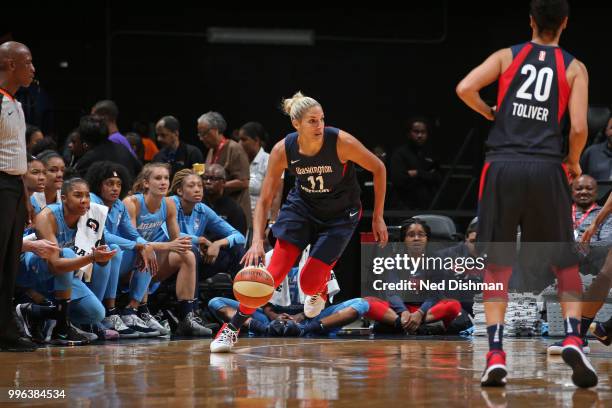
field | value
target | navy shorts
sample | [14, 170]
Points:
[534, 195]
[328, 238]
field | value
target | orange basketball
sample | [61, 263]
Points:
[253, 286]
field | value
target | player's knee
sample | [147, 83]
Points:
[217, 303]
[98, 313]
[90, 311]
[361, 306]
[63, 281]
[188, 258]
[454, 308]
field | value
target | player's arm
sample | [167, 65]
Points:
[144, 248]
[349, 148]
[45, 229]
[177, 242]
[578, 105]
[481, 76]
[171, 222]
[277, 164]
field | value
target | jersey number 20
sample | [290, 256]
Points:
[543, 81]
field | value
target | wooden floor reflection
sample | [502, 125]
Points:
[353, 372]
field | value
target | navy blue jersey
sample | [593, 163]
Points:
[327, 187]
[531, 103]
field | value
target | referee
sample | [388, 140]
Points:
[16, 70]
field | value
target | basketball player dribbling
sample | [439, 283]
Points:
[322, 209]
[524, 182]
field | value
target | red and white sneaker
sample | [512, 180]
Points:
[224, 340]
[584, 375]
[495, 373]
[314, 305]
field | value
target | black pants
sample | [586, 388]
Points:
[12, 222]
[535, 196]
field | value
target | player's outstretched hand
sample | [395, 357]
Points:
[101, 254]
[255, 254]
[379, 228]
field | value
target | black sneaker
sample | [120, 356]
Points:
[601, 332]
[190, 326]
[31, 326]
[23, 313]
[21, 344]
[68, 337]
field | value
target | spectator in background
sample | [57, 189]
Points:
[54, 172]
[33, 136]
[36, 177]
[47, 143]
[73, 149]
[230, 155]
[150, 148]
[596, 161]
[136, 143]
[98, 147]
[109, 112]
[225, 207]
[585, 209]
[424, 307]
[177, 154]
[253, 138]
[415, 175]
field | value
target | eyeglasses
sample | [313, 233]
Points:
[416, 234]
[212, 178]
[203, 134]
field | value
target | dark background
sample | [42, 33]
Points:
[370, 68]
[367, 88]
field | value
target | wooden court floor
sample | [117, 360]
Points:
[343, 372]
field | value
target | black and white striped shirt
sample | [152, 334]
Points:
[12, 135]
